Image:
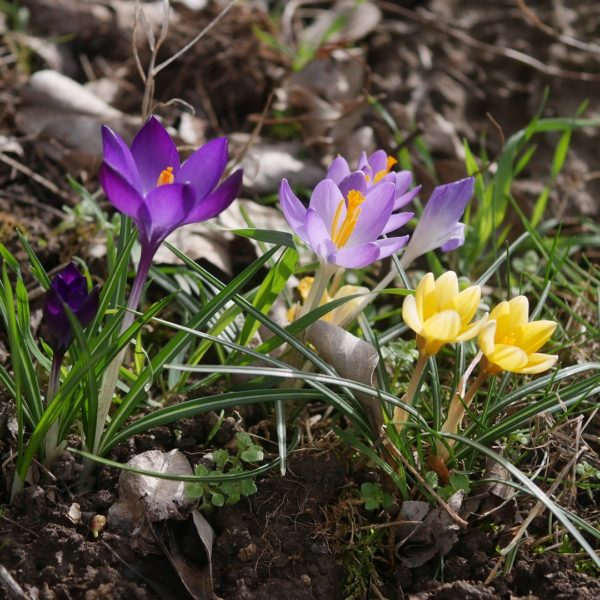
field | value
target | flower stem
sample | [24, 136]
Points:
[51, 437]
[319, 286]
[400, 415]
[456, 412]
[111, 375]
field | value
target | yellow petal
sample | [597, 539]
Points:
[532, 336]
[508, 358]
[499, 311]
[425, 297]
[340, 314]
[486, 338]
[538, 363]
[446, 287]
[443, 326]
[519, 310]
[304, 286]
[410, 314]
[471, 330]
[467, 302]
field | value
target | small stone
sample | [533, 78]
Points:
[248, 553]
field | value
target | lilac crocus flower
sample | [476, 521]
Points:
[343, 223]
[439, 225]
[376, 169]
[148, 183]
[67, 288]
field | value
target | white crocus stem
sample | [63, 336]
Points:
[111, 375]
[400, 415]
[322, 277]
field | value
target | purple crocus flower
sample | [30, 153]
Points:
[343, 223]
[67, 288]
[148, 183]
[376, 169]
[439, 225]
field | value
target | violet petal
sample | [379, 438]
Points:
[118, 156]
[122, 195]
[153, 151]
[216, 202]
[204, 168]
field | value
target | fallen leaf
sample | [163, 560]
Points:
[353, 359]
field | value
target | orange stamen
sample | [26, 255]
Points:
[341, 236]
[166, 176]
[391, 161]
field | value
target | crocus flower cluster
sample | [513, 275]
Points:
[68, 288]
[148, 183]
[349, 211]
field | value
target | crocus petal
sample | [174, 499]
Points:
[167, 207]
[532, 336]
[446, 287]
[317, 234]
[486, 338]
[354, 181]
[426, 297]
[325, 200]
[443, 326]
[356, 257]
[338, 169]
[70, 276]
[466, 303]
[410, 314]
[456, 239]
[375, 212]
[122, 195]
[519, 310]
[293, 210]
[378, 161]
[89, 307]
[403, 181]
[538, 363]
[439, 222]
[363, 162]
[118, 156]
[508, 358]
[404, 199]
[500, 310]
[216, 202]
[472, 330]
[153, 151]
[396, 221]
[388, 246]
[204, 168]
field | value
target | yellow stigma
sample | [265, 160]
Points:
[340, 236]
[391, 161]
[166, 176]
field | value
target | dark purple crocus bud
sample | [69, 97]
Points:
[68, 287]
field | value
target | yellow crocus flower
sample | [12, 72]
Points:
[510, 343]
[439, 314]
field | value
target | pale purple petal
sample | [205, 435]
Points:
[338, 169]
[118, 156]
[293, 210]
[167, 207]
[363, 161]
[397, 220]
[378, 161]
[403, 181]
[204, 168]
[388, 246]
[122, 195]
[457, 240]
[153, 151]
[214, 204]
[354, 181]
[404, 199]
[439, 223]
[317, 234]
[325, 200]
[356, 257]
[375, 213]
